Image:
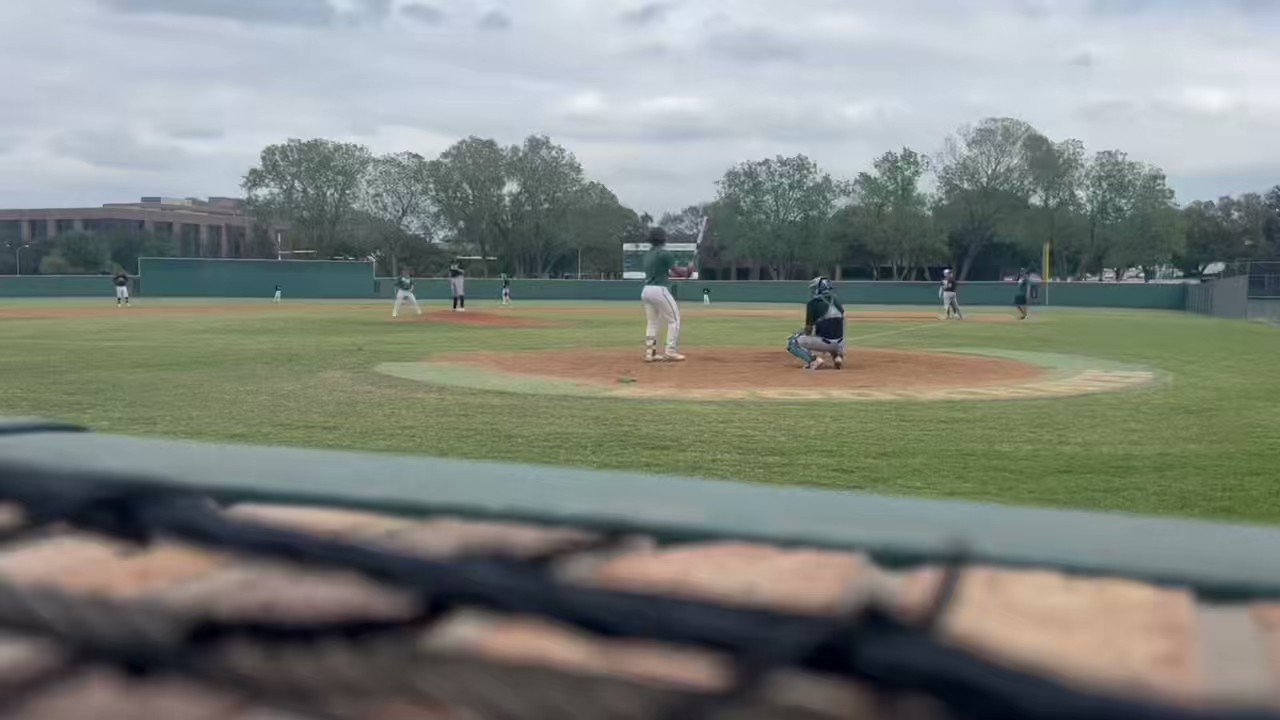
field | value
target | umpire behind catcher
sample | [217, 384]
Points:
[823, 328]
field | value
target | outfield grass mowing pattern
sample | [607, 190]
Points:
[1204, 442]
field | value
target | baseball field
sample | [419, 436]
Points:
[1148, 412]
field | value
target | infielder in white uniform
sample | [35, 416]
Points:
[659, 267]
[404, 291]
[458, 287]
[121, 281]
[950, 295]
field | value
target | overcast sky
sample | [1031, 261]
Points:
[108, 100]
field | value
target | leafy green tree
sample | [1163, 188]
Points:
[893, 215]
[1110, 184]
[1209, 238]
[76, 253]
[598, 226]
[313, 185]
[985, 184]
[780, 210]
[467, 185]
[1271, 226]
[1152, 233]
[126, 248]
[544, 185]
[1057, 175]
[683, 226]
[395, 205]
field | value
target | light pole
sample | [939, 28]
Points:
[17, 258]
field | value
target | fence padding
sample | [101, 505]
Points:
[192, 277]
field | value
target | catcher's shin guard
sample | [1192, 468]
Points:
[795, 348]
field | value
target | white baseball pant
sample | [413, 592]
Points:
[401, 296]
[659, 305]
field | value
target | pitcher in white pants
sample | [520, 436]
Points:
[659, 305]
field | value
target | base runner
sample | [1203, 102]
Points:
[121, 281]
[506, 289]
[950, 296]
[823, 328]
[404, 291]
[659, 267]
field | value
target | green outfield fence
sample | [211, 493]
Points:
[56, 286]
[189, 277]
[1122, 295]
[194, 277]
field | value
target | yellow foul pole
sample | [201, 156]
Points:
[1046, 271]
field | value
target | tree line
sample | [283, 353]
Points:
[529, 206]
[985, 203]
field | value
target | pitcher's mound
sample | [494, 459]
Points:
[746, 373]
[756, 369]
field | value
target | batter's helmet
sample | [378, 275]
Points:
[658, 236]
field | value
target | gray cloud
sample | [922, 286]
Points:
[117, 149]
[654, 102]
[495, 20]
[423, 13]
[1083, 59]
[752, 45]
[285, 12]
[646, 14]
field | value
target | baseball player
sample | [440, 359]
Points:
[659, 267]
[457, 286]
[404, 291]
[506, 289]
[1020, 298]
[276, 298]
[950, 298]
[121, 281]
[823, 328]
[706, 296]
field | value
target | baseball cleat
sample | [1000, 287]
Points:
[816, 364]
[673, 357]
[650, 355]
[839, 362]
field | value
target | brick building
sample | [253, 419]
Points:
[217, 227]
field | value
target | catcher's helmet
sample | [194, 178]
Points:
[820, 286]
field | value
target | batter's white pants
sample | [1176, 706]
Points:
[401, 296]
[122, 292]
[659, 305]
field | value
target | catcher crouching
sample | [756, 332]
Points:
[823, 332]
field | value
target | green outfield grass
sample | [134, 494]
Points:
[1204, 442]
